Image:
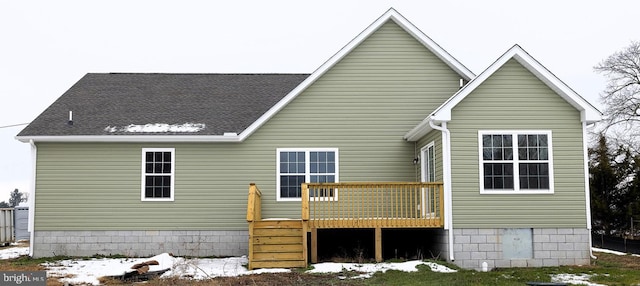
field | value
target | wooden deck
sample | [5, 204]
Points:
[283, 243]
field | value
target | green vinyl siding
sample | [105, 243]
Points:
[514, 99]
[363, 106]
[90, 186]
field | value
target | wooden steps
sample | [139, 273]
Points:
[277, 244]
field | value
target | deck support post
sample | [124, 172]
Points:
[378, 240]
[254, 213]
[314, 245]
[305, 242]
[251, 224]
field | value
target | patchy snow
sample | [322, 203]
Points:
[13, 252]
[89, 271]
[369, 269]
[578, 279]
[157, 128]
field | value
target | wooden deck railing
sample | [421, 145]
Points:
[373, 205]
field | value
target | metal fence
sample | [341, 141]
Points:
[7, 228]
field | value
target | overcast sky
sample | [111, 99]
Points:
[46, 46]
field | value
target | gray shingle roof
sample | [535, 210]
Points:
[103, 104]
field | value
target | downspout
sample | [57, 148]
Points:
[32, 197]
[587, 191]
[446, 178]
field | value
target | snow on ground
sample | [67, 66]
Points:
[88, 271]
[369, 269]
[577, 279]
[13, 252]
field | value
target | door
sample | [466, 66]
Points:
[428, 174]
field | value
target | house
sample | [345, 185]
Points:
[390, 133]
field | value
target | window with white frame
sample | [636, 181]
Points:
[158, 169]
[299, 165]
[515, 161]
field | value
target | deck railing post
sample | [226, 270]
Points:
[305, 202]
[254, 204]
[441, 195]
[305, 228]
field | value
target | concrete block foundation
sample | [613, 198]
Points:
[549, 247]
[135, 243]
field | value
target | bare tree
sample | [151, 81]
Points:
[622, 94]
[16, 198]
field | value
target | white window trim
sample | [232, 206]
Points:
[307, 176]
[516, 170]
[172, 174]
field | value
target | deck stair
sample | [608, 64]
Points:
[277, 243]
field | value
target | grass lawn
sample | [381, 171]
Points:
[608, 269]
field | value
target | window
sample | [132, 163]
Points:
[298, 165]
[515, 161]
[158, 165]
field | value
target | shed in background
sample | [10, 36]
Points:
[21, 221]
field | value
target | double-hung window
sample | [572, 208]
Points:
[158, 171]
[515, 162]
[299, 165]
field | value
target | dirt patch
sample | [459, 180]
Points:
[293, 278]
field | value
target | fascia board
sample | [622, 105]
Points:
[588, 112]
[130, 138]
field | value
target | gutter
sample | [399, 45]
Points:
[446, 167]
[227, 137]
[32, 198]
[587, 189]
